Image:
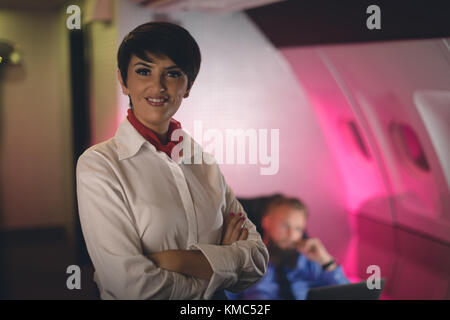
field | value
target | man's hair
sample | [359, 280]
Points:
[280, 200]
[161, 38]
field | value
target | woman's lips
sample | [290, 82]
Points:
[157, 102]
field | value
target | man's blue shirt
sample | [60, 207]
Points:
[306, 275]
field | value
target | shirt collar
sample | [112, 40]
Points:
[151, 136]
[129, 142]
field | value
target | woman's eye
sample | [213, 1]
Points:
[175, 74]
[143, 72]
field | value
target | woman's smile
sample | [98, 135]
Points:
[157, 102]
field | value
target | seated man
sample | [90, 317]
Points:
[296, 262]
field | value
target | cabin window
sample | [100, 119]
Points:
[409, 146]
[353, 139]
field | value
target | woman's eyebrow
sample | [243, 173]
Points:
[147, 65]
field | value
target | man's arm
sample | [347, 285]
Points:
[314, 250]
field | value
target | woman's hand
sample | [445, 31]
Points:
[233, 229]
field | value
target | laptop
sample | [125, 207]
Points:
[351, 291]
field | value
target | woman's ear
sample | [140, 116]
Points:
[188, 89]
[125, 90]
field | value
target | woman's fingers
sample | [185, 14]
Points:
[237, 229]
[226, 222]
[230, 216]
[232, 228]
[244, 234]
[227, 229]
[229, 224]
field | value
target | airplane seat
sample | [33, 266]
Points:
[254, 208]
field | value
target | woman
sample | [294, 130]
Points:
[157, 224]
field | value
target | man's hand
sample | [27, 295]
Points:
[314, 250]
[233, 230]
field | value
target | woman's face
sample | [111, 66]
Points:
[157, 78]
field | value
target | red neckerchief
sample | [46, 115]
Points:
[151, 137]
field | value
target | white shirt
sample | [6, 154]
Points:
[134, 200]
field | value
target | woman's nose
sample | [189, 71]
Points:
[157, 84]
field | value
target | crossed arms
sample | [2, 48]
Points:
[122, 271]
[193, 262]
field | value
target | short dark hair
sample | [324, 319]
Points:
[161, 38]
[280, 200]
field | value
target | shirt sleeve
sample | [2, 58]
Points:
[113, 243]
[333, 277]
[327, 278]
[265, 289]
[238, 266]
